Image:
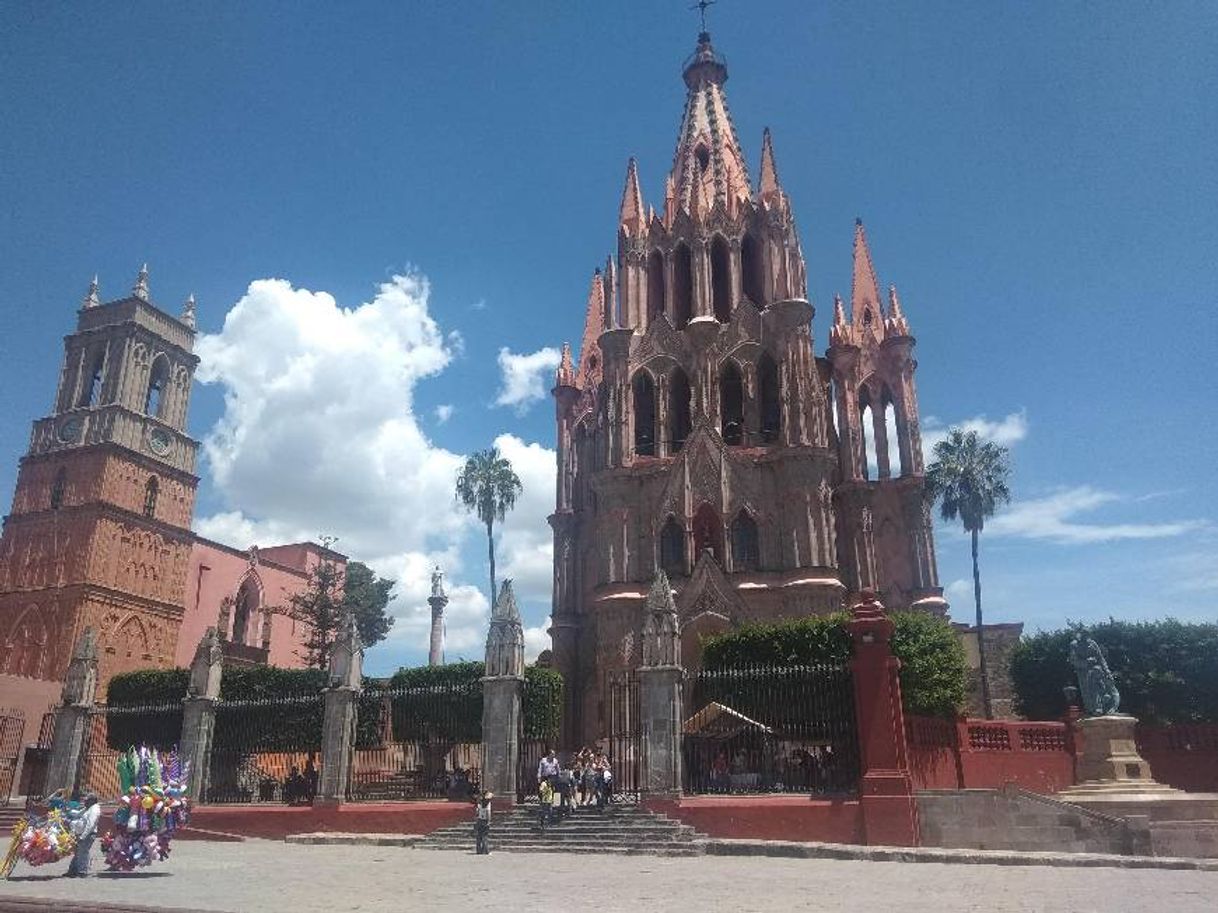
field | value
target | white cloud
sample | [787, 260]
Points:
[319, 436]
[443, 413]
[958, 591]
[1051, 518]
[536, 639]
[525, 377]
[1006, 431]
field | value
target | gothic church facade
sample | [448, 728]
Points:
[699, 432]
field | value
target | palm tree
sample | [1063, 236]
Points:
[488, 486]
[969, 479]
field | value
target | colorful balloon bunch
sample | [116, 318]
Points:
[41, 840]
[152, 807]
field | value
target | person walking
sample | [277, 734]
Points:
[482, 825]
[84, 827]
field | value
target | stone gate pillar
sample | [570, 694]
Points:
[199, 712]
[890, 812]
[79, 691]
[660, 678]
[502, 691]
[341, 701]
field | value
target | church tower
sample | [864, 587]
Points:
[698, 433]
[99, 532]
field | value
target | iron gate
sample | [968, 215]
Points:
[12, 727]
[625, 734]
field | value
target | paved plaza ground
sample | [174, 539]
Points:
[262, 876]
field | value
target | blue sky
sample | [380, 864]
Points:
[1038, 179]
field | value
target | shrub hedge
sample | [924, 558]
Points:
[1167, 671]
[933, 669]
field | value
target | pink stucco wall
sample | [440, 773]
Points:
[218, 571]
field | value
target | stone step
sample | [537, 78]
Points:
[693, 849]
[565, 841]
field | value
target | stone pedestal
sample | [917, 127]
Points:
[66, 747]
[198, 726]
[501, 698]
[337, 743]
[1110, 752]
[660, 700]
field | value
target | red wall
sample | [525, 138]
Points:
[767, 817]
[277, 821]
[1184, 756]
[986, 754]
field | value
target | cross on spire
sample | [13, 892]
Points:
[701, 6]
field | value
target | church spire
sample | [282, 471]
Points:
[896, 324]
[632, 217]
[140, 289]
[708, 156]
[769, 189]
[589, 371]
[92, 300]
[565, 375]
[865, 307]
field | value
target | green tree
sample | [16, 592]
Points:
[969, 480]
[320, 606]
[488, 487]
[367, 596]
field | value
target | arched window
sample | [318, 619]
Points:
[721, 279]
[771, 399]
[752, 270]
[91, 390]
[672, 548]
[154, 399]
[655, 286]
[892, 435]
[682, 286]
[708, 533]
[644, 414]
[745, 552]
[866, 429]
[248, 599]
[25, 651]
[731, 404]
[58, 487]
[678, 410]
[151, 490]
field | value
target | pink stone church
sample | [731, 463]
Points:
[699, 431]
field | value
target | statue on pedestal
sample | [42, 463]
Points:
[1095, 681]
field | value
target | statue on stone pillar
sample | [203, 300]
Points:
[505, 639]
[661, 630]
[347, 656]
[206, 668]
[1095, 681]
[80, 683]
[438, 600]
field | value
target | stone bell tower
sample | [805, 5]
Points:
[696, 432]
[99, 532]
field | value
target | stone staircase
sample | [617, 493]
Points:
[1012, 819]
[623, 829]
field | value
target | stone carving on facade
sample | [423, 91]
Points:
[1095, 681]
[505, 640]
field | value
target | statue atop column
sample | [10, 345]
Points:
[438, 600]
[1095, 682]
[206, 668]
[505, 639]
[661, 630]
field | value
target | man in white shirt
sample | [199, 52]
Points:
[547, 768]
[84, 826]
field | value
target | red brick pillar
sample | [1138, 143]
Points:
[890, 812]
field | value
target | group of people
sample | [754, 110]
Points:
[585, 780]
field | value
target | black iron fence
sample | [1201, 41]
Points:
[109, 731]
[770, 729]
[418, 743]
[266, 751]
[625, 734]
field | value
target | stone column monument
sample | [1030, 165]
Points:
[660, 678]
[502, 690]
[341, 707]
[79, 691]
[199, 711]
[437, 600]
[890, 812]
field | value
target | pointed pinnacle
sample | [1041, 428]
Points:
[92, 299]
[140, 290]
[630, 215]
[188, 311]
[769, 185]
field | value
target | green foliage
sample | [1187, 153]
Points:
[968, 478]
[160, 688]
[543, 693]
[933, 668]
[147, 687]
[488, 486]
[934, 671]
[319, 605]
[438, 703]
[1166, 671]
[367, 596]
